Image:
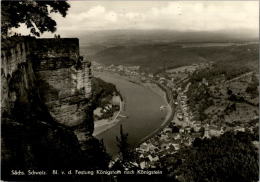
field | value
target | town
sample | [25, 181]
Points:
[225, 105]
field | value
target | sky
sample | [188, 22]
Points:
[170, 15]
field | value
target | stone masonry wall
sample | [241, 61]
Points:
[65, 79]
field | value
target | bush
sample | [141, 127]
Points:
[230, 157]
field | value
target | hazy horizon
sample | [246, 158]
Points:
[178, 16]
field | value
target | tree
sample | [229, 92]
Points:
[124, 147]
[252, 87]
[95, 154]
[230, 157]
[34, 14]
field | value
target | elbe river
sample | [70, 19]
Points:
[142, 106]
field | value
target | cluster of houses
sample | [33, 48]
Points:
[99, 112]
[126, 70]
[184, 127]
[168, 141]
[180, 132]
[108, 110]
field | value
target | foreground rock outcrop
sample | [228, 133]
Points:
[46, 91]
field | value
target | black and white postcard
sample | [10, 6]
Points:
[129, 91]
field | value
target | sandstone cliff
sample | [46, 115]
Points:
[65, 80]
[46, 90]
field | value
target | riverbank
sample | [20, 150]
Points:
[167, 111]
[170, 111]
[105, 124]
[142, 107]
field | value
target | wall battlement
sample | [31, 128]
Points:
[58, 47]
[63, 75]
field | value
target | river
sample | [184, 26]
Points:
[142, 106]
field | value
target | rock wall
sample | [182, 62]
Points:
[30, 138]
[14, 54]
[35, 88]
[63, 76]
[65, 79]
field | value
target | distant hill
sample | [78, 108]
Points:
[155, 50]
[92, 42]
[119, 37]
[156, 57]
